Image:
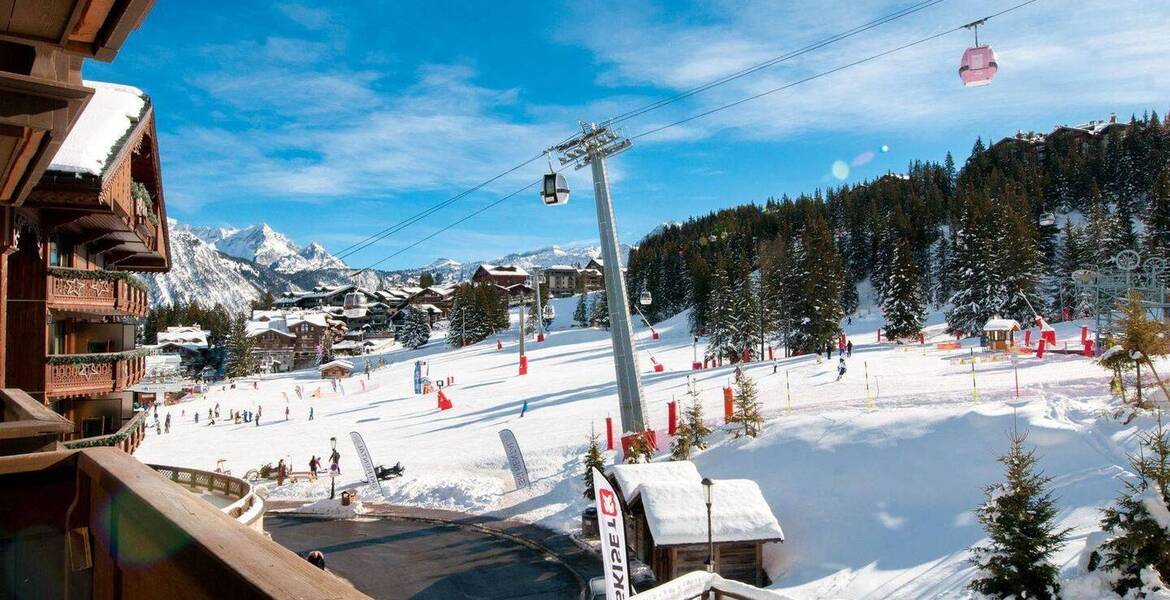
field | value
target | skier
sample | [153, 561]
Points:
[196, 417]
[157, 428]
[210, 414]
[840, 369]
[828, 351]
[310, 413]
[524, 409]
[849, 349]
[314, 464]
[257, 419]
[285, 413]
[168, 423]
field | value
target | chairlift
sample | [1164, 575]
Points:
[352, 300]
[549, 312]
[1047, 219]
[979, 62]
[555, 189]
[645, 298]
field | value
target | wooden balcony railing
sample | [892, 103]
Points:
[127, 439]
[100, 292]
[248, 509]
[87, 374]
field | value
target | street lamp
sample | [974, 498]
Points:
[707, 483]
[333, 468]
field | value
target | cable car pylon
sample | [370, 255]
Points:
[590, 148]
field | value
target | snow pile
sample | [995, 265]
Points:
[630, 478]
[334, 509]
[677, 512]
[110, 115]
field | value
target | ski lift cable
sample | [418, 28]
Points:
[700, 115]
[775, 61]
[388, 231]
[821, 74]
[384, 233]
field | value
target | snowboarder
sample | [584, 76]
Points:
[314, 464]
[310, 413]
[281, 472]
[286, 413]
[849, 349]
[840, 369]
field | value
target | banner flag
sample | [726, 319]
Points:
[612, 527]
[515, 458]
[367, 462]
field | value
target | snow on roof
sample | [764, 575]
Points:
[1001, 325]
[630, 477]
[562, 268]
[345, 364]
[503, 269]
[677, 512]
[110, 115]
[427, 307]
[186, 336]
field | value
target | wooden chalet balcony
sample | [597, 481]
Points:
[92, 374]
[96, 292]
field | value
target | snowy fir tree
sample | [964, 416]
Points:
[640, 451]
[241, 362]
[1157, 234]
[902, 303]
[815, 281]
[746, 410]
[694, 422]
[1139, 339]
[1019, 268]
[1019, 516]
[599, 313]
[594, 459]
[581, 313]
[1138, 525]
[721, 320]
[978, 294]
[416, 329]
[468, 321]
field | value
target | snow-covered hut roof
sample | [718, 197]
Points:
[431, 308]
[631, 477]
[507, 270]
[108, 118]
[563, 268]
[998, 324]
[184, 336]
[676, 512]
[345, 364]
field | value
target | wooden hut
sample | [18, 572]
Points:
[666, 521]
[1001, 333]
[337, 369]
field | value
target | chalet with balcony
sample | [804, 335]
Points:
[285, 340]
[96, 216]
[441, 297]
[561, 280]
[501, 275]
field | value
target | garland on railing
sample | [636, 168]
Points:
[95, 359]
[112, 439]
[145, 204]
[129, 278]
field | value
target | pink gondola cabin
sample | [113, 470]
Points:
[979, 66]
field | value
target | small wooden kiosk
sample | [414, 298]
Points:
[338, 369]
[666, 521]
[1001, 333]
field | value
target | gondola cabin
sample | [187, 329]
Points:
[555, 189]
[978, 66]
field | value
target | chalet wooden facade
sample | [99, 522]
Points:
[440, 297]
[501, 275]
[665, 514]
[96, 215]
[284, 340]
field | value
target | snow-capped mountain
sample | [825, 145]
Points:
[233, 267]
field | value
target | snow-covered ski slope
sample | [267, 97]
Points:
[874, 485]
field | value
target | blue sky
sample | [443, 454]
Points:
[331, 121]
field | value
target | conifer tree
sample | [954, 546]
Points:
[680, 446]
[640, 451]
[1137, 525]
[978, 293]
[1157, 235]
[694, 423]
[1019, 516]
[600, 311]
[721, 318]
[581, 313]
[240, 360]
[416, 329]
[594, 459]
[746, 412]
[815, 281]
[902, 303]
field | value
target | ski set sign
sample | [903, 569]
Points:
[367, 462]
[515, 458]
[612, 528]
